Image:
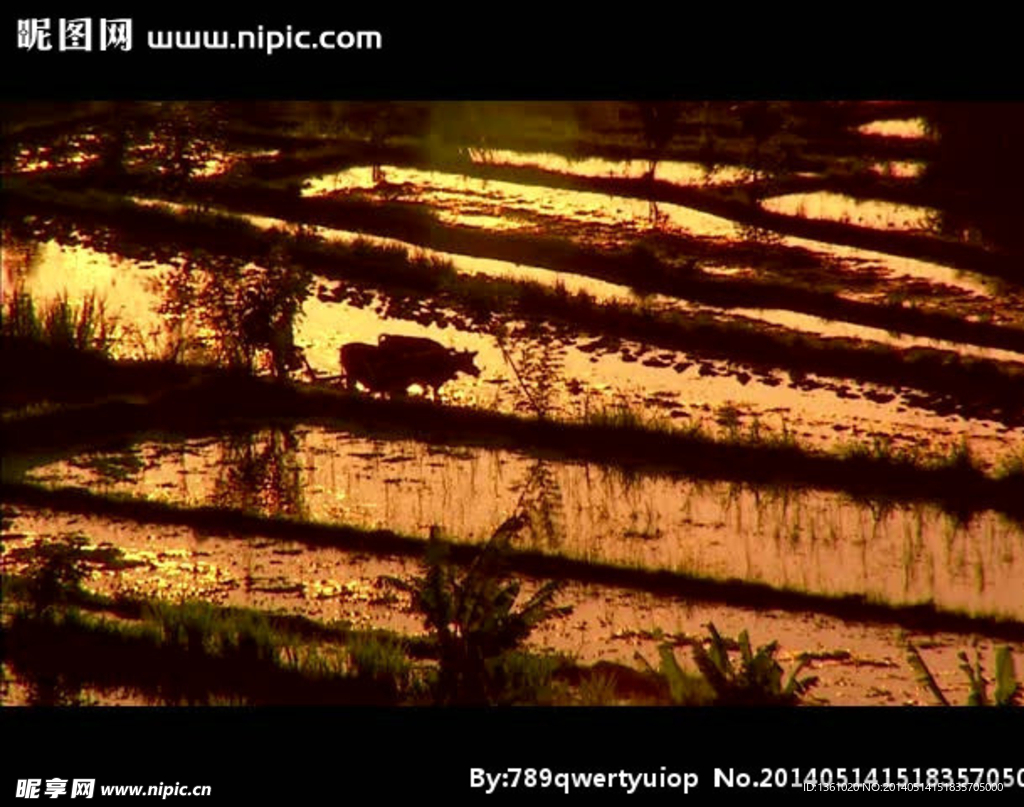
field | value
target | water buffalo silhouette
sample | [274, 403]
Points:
[405, 346]
[397, 362]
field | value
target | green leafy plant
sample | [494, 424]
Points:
[474, 617]
[684, 688]
[1008, 692]
[757, 680]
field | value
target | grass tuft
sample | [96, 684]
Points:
[59, 323]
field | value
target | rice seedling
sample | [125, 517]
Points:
[382, 662]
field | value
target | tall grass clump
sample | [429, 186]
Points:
[382, 663]
[959, 458]
[622, 415]
[59, 323]
[202, 628]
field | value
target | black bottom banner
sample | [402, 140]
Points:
[225, 756]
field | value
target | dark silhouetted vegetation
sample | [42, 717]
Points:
[474, 617]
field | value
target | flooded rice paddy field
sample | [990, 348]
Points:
[857, 663]
[595, 374]
[80, 152]
[606, 221]
[788, 540]
[602, 291]
[806, 540]
[873, 213]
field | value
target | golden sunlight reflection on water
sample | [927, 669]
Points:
[803, 539]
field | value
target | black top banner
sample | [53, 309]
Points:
[357, 52]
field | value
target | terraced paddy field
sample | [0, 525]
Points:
[733, 368]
